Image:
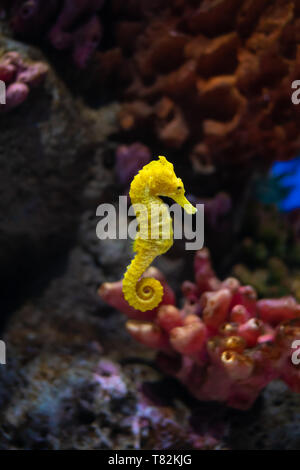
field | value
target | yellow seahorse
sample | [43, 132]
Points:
[155, 234]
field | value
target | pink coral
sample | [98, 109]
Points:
[20, 77]
[75, 24]
[224, 344]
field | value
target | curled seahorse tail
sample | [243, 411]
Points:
[145, 293]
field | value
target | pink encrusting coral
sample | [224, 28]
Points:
[19, 77]
[223, 344]
[71, 25]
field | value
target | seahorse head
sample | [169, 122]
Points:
[164, 182]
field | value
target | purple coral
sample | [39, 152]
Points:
[19, 77]
[87, 39]
[67, 31]
[129, 160]
[29, 17]
[215, 208]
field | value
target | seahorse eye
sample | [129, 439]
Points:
[179, 188]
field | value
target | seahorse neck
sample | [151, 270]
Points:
[139, 192]
[146, 199]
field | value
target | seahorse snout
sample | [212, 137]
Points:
[185, 204]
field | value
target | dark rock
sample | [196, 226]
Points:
[47, 146]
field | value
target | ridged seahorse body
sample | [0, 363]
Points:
[155, 179]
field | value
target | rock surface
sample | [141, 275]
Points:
[47, 147]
